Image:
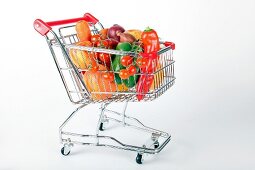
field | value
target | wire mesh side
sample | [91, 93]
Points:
[85, 57]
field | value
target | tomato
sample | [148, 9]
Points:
[105, 58]
[95, 38]
[131, 70]
[142, 62]
[126, 60]
[124, 74]
[108, 76]
[103, 44]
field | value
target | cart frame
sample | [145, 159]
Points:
[152, 145]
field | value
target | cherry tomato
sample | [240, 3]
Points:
[105, 58]
[142, 62]
[131, 70]
[124, 74]
[126, 60]
[95, 38]
[108, 76]
[103, 44]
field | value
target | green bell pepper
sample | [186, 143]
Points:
[124, 46]
[131, 81]
[116, 65]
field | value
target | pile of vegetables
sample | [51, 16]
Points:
[103, 72]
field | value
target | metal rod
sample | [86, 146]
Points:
[124, 146]
[145, 128]
[124, 112]
[69, 117]
[69, 60]
[103, 106]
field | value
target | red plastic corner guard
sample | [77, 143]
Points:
[90, 18]
[41, 27]
[170, 44]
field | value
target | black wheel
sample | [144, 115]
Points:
[156, 145]
[64, 153]
[139, 158]
[101, 127]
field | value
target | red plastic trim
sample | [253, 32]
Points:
[44, 27]
[66, 21]
[90, 18]
[41, 27]
[170, 44]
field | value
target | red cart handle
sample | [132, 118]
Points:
[170, 44]
[44, 27]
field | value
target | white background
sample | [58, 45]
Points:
[210, 111]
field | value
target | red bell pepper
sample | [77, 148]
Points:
[151, 46]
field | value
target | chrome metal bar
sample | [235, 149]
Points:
[101, 50]
[124, 112]
[101, 25]
[144, 128]
[103, 105]
[68, 119]
[69, 60]
[163, 145]
[59, 69]
[113, 147]
[123, 146]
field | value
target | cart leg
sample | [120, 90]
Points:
[101, 120]
[154, 138]
[67, 120]
[124, 113]
[66, 149]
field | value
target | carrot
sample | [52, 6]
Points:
[83, 30]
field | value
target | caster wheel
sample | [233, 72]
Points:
[65, 151]
[156, 145]
[139, 158]
[101, 127]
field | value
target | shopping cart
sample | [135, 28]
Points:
[60, 45]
